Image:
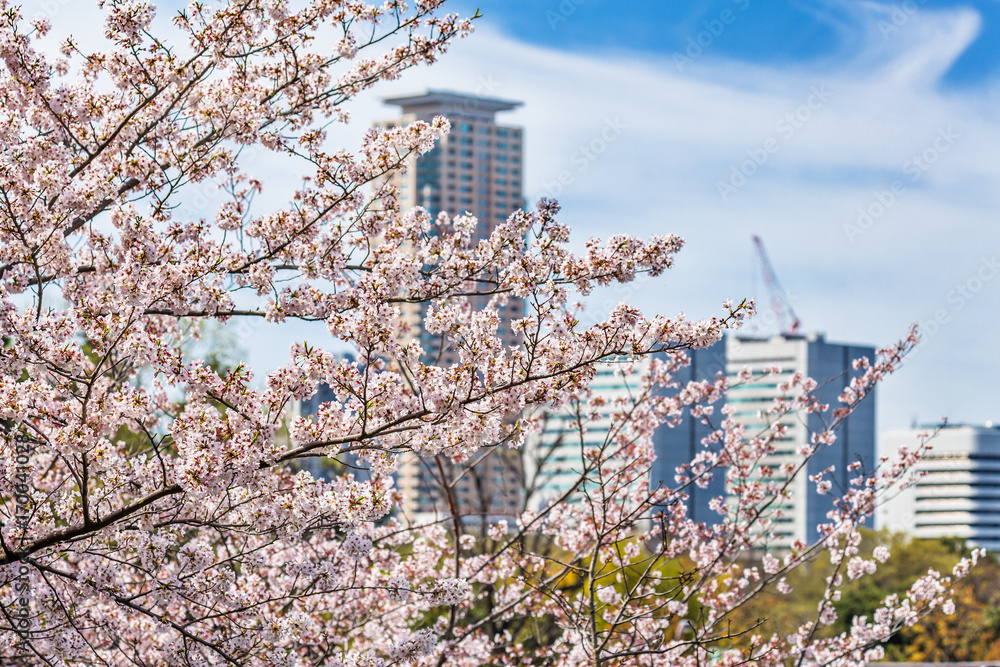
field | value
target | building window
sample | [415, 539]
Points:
[501, 170]
[484, 142]
[466, 165]
[485, 129]
[465, 152]
[466, 141]
[466, 177]
[465, 127]
[502, 132]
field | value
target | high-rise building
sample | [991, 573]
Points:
[958, 491]
[830, 364]
[554, 458]
[476, 169]
[678, 445]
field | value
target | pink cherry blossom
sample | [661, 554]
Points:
[156, 509]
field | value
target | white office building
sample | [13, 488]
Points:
[958, 492]
[554, 458]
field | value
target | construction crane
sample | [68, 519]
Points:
[785, 317]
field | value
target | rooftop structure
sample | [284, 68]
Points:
[453, 105]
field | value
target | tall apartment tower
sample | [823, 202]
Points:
[476, 169]
[958, 492]
[830, 364]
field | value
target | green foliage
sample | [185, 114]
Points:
[972, 633]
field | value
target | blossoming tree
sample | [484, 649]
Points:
[151, 515]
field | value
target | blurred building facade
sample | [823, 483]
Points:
[831, 365]
[957, 493]
[554, 458]
[678, 445]
[476, 169]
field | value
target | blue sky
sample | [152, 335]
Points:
[772, 33]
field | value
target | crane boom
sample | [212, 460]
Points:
[780, 304]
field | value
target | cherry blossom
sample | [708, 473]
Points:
[155, 509]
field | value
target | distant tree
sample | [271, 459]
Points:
[971, 635]
[150, 514]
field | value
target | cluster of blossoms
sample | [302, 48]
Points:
[153, 512]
